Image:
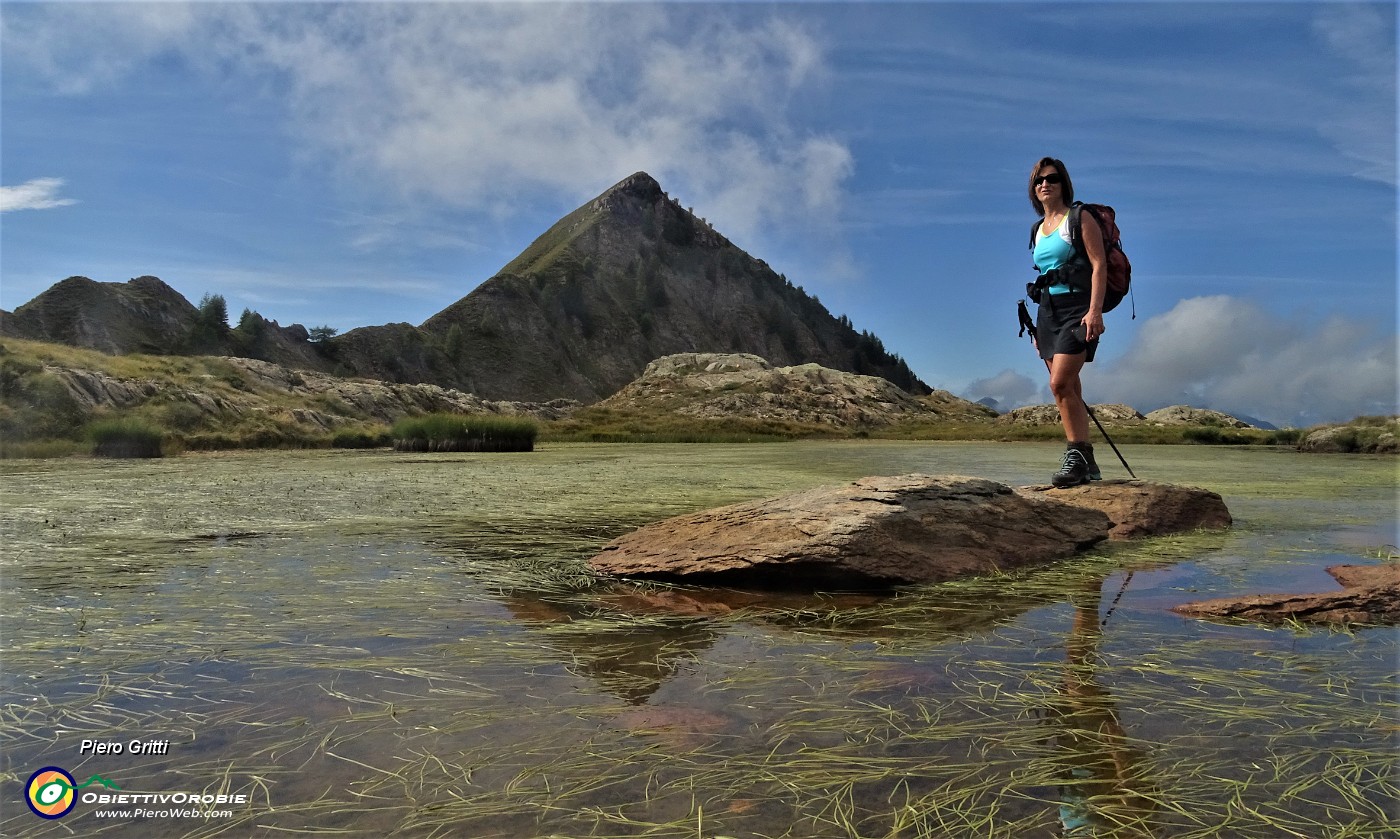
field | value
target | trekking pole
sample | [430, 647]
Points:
[1114, 605]
[1028, 325]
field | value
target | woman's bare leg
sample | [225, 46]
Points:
[1069, 398]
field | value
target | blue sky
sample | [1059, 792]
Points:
[359, 164]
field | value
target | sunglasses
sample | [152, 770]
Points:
[1049, 179]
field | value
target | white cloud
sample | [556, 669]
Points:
[1363, 35]
[1229, 354]
[487, 106]
[1360, 33]
[38, 194]
[1225, 353]
[1010, 390]
[82, 48]
[479, 106]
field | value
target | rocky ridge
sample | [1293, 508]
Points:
[317, 400]
[1186, 415]
[1112, 414]
[711, 386]
[1119, 414]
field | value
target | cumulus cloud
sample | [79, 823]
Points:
[82, 48]
[1229, 354]
[488, 106]
[1010, 390]
[1365, 36]
[38, 194]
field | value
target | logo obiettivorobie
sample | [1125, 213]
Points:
[50, 792]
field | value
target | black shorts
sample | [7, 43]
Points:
[1058, 328]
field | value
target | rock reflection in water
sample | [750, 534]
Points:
[628, 658]
[631, 640]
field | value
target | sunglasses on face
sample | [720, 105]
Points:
[1049, 179]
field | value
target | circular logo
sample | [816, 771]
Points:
[50, 793]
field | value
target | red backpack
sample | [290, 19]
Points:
[1120, 270]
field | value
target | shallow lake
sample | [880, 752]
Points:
[373, 644]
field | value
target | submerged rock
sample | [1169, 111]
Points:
[1370, 595]
[872, 532]
[1144, 508]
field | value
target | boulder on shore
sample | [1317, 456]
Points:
[1370, 595]
[1186, 415]
[870, 533]
[723, 386]
[1143, 508]
[1109, 414]
[1363, 435]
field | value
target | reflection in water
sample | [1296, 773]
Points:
[629, 659]
[1103, 792]
[631, 639]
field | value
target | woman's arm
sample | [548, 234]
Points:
[1098, 284]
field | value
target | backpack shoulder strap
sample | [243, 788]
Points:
[1033, 228]
[1076, 226]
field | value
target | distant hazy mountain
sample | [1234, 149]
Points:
[1257, 423]
[627, 278]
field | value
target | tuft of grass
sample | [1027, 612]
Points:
[124, 437]
[444, 432]
[23, 449]
[361, 439]
[598, 424]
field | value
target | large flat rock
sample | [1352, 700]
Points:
[871, 532]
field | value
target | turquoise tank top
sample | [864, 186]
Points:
[1052, 251]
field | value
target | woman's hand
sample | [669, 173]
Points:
[1093, 325]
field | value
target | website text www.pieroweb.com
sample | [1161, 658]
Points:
[53, 792]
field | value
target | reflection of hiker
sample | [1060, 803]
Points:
[1070, 318]
[1101, 794]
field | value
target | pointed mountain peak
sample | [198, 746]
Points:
[638, 184]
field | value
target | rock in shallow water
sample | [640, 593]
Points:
[872, 532]
[1371, 595]
[1144, 508]
[882, 531]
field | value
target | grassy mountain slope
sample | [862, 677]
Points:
[627, 278]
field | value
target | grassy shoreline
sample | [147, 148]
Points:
[173, 442]
[42, 417]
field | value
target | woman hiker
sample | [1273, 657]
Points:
[1070, 317]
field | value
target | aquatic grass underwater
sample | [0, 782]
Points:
[377, 645]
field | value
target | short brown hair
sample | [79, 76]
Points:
[1066, 185]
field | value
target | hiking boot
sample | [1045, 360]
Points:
[1094, 473]
[1074, 470]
